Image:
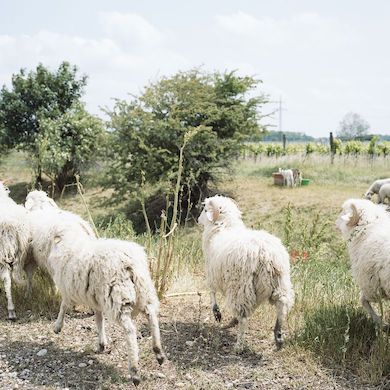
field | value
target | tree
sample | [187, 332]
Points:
[148, 131]
[67, 143]
[34, 96]
[353, 125]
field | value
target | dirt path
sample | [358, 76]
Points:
[200, 355]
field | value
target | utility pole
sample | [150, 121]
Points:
[280, 114]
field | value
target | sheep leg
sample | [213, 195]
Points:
[242, 327]
[6, 277]
[155, 330]
[369, 309]
[30, 268]
[215, 308]
[281, 313]
[60, 319]
[99, 319]
[131, 338]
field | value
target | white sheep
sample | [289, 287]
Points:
[39, 200]
[109, 276]
[375, 187]
[384, 193]
[247, 266]
[365, 227]
[14, 241]
[288, 177]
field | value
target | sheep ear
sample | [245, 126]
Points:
[354, 218]
[213, 213]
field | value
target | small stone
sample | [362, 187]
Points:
[42, 352]
[160, 375]
[82, 365]
[190, 343]
[180, 384]
[188, 377]
[229, 385]
[90, 362]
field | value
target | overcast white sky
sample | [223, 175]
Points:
[324, 58]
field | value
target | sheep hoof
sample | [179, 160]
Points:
[136, 380]
[160, 359]
[135, 376]
[101, 348]
[57, 329]
[217, 313]
[279, 341]
[11, 315]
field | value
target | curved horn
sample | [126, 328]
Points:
[214, 213]
[353, 221]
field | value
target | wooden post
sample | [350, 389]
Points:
[332, 148]
[284, 143]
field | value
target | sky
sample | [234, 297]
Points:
[323, 59]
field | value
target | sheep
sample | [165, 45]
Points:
[375, 187]
[39, 200]
[288, 177]
[109, 276]
[365, 227]
[297, 177]
[384, 193]
[14, 242]
[247, 266]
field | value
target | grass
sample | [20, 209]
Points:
[326, 328]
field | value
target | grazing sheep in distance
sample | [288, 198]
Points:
[297, 177]
[375, 187]
[384, 193]
[247, 266]
[109, 276]
[14, 241]
[288, 177]
[365, 227]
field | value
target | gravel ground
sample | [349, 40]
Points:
[200, 355]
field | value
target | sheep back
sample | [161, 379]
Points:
[248, 267]
[105, 274]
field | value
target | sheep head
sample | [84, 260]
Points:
[358, 212]
[220, 210]
[39, 200]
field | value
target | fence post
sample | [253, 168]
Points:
[332, 147]
[284, 143]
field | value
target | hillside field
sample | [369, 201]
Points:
[330, 341]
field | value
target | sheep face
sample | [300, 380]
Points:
[38, 200]
[219, 210]
[347, 219]
[368, 195]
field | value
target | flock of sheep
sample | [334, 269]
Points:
[112, 277]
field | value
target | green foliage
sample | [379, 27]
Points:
[67, 143]
[353, 148]
[35, 95]
[373, 147]
[148, 131]
[274, 150]
[384, 148]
